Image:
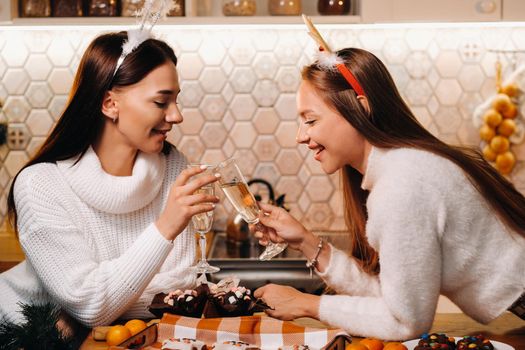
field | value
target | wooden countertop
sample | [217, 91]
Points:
[507, 328]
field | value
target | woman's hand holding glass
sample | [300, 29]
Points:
[280, 226]
[183, 202]
[234, 186]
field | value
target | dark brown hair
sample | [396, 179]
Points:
[82, 120]
[391, 124]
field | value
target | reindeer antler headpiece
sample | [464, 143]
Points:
[148, 16]
[329, 59]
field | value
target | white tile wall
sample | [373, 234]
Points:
[238, 95]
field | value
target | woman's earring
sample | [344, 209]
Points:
[115, 119]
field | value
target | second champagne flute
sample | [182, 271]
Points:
[202, 223]
[234, 186]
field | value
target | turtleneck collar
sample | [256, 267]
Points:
[371, 171]
[114, 194]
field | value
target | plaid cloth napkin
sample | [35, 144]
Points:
[262, 331]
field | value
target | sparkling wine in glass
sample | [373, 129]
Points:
[235, 188]
[202, 223]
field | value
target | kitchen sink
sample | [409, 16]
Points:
[287, 268]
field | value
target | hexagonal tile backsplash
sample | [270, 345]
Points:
[238, 96]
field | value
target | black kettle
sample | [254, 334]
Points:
[237, 230]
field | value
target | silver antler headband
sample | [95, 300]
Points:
[152, 11]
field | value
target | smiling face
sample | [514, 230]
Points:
[333, 140]
[148, 109]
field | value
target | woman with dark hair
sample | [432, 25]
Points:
[425, 218]
[101, 210]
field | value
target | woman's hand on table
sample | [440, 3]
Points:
[288, 303]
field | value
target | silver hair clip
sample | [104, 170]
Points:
[152, 11]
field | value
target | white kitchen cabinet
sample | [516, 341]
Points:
[513, 10]
[431, 10]
[6, 10]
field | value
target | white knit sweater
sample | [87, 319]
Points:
[90, 241]
[434, 234]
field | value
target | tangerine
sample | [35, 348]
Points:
[505, 162]
[511, 112]
[356, 346]
[489, 154]
[395, 346]
[135, 326]
[372, 344]
[500, 144]
[117, 334]
[511, 89]
[507, 127]
[501, 102]
[492, 117]
[486, 133]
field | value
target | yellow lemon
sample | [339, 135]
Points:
[505, 162]
[499, 144]
[501, 102]
[511, 89]
[135, 326]
[492, 117]
[486, 133]
[507, 127]
[117, 334]
[489, 154]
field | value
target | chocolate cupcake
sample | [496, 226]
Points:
[478, 342]
[238, 301]
[436, 341]
[189, 303]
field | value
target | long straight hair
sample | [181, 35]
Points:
[82, 120]
[391, 124]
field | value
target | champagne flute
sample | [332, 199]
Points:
[202, 223]
[235, 188]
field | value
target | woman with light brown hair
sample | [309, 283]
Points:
[425, 218]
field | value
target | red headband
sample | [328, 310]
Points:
[350, 78]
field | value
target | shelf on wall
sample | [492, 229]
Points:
[222, 20]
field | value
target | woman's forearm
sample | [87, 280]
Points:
[310, 305]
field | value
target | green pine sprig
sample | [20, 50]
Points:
[39, 332]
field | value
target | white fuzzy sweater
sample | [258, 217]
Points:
[90, 241]
[434, 234]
